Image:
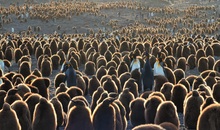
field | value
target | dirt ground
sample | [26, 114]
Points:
[85, 22]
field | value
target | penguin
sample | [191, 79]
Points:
[12, 96]
[125, 98]
[147, 74]
[178, 95]
[59, 78]
[136, 114]
[43, 86]
[25, 69]
[203, 64]
[166, 90]
[74, 91]
[150, 108]
[64, 98]
[122, 68]
[79, 117]
[133, 87]
[209, 118]
[44, 116]
[148, 127]
[55, 61]
[159, 81]
[62, 88]
[8, 118]
[23, 114]
[70, 74]
[59, 111]
[207, 102]
[104, 115]
[31, 101]
[191, 112]
[179, 74]
[101, 72]
[95, 97]
[166, 112]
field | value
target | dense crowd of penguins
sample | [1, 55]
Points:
[101, 69]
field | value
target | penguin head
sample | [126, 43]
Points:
[65, 66]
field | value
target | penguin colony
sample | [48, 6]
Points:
[96, 88]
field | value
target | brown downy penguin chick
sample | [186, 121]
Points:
[64, 98]
[104, 121]
[179, 74]
[166, 90]
[181, 63]
[168, 126]
[191, 112]
[123, 114]
[43, 86]
[101, 72]
[22, 89]
[122, 68]
[110, 86]
[95, 97]
[62, 56]
[76, 98]
[211, 79]
[93, 85]
[203, 64]
[148, 127]
[211, 61]
[79, 117]
[8, 118]
[208, 101]
[55, 61]
[6, 85]
[74, 91]
[90, 68]
[159, 94]
[59, 111]
[159, 81]
[112, 71]
[136, 114]
[25, 69]
[46, 67]
[178, 95]
[191, 61]
[185, 83]
[166, 112]
[81, 83]
[133, 87]
[62, 88]
[170, 75]
[151, 105]
[12, 96]
[2, 96]
[209, 118]
[215, 91]
[31, 101]
[124, 77]
[17, 54]
[199, 80]
[117, 82]
[44, 116]
[125, 98]
[136, 74]
[23, 114]
[59, 78]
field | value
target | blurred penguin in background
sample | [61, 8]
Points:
[147, 74]
[135, 63]
[70, 74]
[159, 66]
